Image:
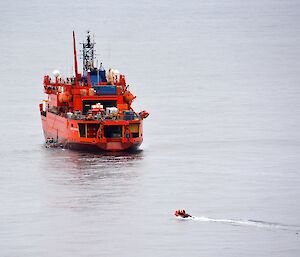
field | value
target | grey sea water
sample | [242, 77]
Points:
[221, 82]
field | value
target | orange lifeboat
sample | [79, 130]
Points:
[128, 97]
[64, 97]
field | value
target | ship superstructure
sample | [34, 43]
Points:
[91, 110]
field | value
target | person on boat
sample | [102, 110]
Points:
[182, 214]
[101, 67]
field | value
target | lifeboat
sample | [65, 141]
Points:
[128, 97]
[65, 97]
[182, 214]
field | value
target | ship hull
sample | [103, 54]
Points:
[100, 148]
[65, 133]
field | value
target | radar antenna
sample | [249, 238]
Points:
[88, 54]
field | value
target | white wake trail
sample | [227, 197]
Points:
[253, 223]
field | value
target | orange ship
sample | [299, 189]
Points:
[92, 110]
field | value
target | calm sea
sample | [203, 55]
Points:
[221, 80]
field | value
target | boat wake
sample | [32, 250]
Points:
[252, 223]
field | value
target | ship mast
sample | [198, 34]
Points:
[75, 56]
[88, 54]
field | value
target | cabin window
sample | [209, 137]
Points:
[134, 135]
[88, 130]
[113, 131]
[82, 129]
[92, 130]
[134, 129]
